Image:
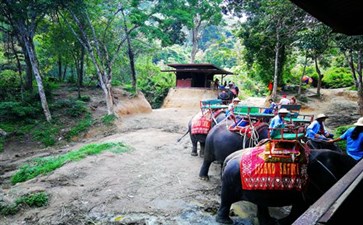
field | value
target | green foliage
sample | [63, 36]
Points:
[31, 200]
[2, 142]
[82, 126]
[41, 166]
[46, 133]
[34, 199]
[153, 83]
[8, 209]
[337, 78]
[72, 107]
[9, 83]
[17, 111]
[85, 98]
[108, 119]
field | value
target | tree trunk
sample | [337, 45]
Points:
[64, 72]
[303, 73]
[21, 84]
[33, 60]
[320, 76]
[350, 62]
[28, 71]
[276, 68]
[81, 71]
[195, 37]
[360, 85]
[59, 68]
[132, 61]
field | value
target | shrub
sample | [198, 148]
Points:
[108, 119]
[17, 110]
[33, 200]
[337, 78]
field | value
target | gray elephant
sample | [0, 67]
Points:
[221, 142]
[200, 138]
[324, 168]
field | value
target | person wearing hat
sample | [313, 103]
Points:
[316, 130]
[231, 106]
[354, 138]
[278, 122]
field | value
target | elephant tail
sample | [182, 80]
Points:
[179, 139]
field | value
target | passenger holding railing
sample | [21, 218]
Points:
[319, 137]
[231, 106]
[278, 122]
[272, 108]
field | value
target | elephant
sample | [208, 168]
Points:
[324, 168]
[195, 138]
[221, 142]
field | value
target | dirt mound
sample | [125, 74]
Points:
[126, 104]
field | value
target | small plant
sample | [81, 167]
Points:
[33, 200]
[47, 134]
[38, 199]
[82, 126]
[8, 209]
[85, 98]
[108, 119]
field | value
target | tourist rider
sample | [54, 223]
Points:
[231, 106]
[317, 134]
[278, 122]
[272, 108]
[284, 101]
[354, 138]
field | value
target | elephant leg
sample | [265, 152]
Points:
[228, 197]
[201, 153]
[203, 173]
[194, 148]
[264, 217]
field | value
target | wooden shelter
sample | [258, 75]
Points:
[196, 75]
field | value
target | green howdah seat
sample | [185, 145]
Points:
[212, 104]
[253, 111]
[288, 136]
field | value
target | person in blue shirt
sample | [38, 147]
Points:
[318, 136]
[272, 108]
[354, 138]
[316, 130]
[278, 122]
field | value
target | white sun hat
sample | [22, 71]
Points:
[359, 122]
[283, 110]
[322, 116]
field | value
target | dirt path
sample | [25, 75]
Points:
[154, 183]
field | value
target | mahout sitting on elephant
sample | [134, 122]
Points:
[323, 169]
[200, 136]
[221, 142]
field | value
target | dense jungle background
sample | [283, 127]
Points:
[67, 69]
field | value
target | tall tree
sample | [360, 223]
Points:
[268, 33]
[24, 16]
[352, 48]
[315, 42]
